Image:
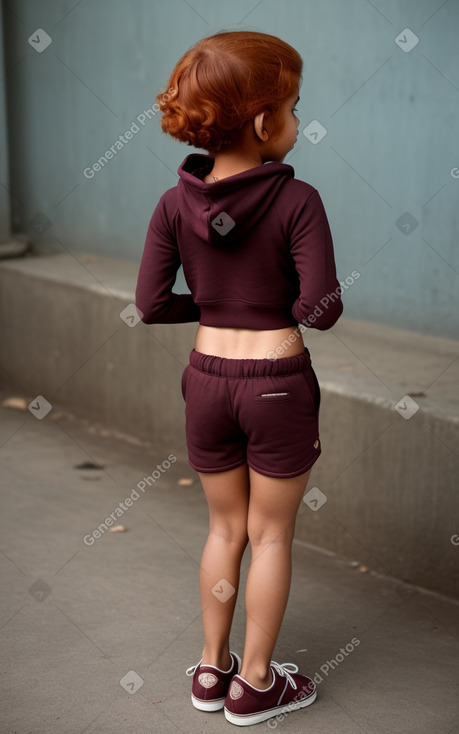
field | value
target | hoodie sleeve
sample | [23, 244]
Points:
[157, 275]
[319, 303]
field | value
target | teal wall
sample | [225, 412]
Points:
[392, 121]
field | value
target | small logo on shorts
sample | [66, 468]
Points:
[316, 443]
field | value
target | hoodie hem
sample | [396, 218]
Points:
[239, 315]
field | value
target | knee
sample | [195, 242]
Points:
[233, 534]
[268, 533]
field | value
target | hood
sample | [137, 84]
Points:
[223, 211]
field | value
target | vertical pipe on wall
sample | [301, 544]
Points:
[5, 215]
[10, 245]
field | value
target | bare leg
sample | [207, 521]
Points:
[271, 523]
[227, 495]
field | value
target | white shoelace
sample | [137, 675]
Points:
[284, 671]
[192, 669]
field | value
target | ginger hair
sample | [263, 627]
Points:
[224, 81]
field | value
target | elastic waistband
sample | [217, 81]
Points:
[225, 367]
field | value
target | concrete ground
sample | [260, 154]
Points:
[77, 618]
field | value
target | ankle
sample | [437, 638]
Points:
[257, 676]
[220, 659]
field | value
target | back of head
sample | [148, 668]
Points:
[224, 81]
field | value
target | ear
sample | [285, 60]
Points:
[259, 126]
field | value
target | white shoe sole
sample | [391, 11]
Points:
[249, 719]
[216, 705]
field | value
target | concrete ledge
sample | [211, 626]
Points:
[389, 482]
[63, 338]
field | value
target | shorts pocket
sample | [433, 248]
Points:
[276, 396]
[313, 385]
[184, 381]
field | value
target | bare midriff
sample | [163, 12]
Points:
[249, 343]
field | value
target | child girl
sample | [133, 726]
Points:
[257, 256]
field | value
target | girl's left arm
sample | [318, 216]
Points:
[157, 274]
[319, 303]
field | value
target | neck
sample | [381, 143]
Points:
[231, 162]
[242, 156]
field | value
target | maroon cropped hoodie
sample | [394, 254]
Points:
[256, 252]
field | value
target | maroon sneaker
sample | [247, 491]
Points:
[245, 705]
[210, 684]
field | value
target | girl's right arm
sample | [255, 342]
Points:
[158, 271]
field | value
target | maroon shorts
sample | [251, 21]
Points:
[257, 411]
